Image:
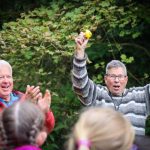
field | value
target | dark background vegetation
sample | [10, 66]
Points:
[37, 38]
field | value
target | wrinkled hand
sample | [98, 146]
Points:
[81, 42]
[45, 102]
[33, 93]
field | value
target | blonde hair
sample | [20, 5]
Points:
[104, 128]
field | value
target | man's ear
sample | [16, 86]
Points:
[41, 138]
[105, 79]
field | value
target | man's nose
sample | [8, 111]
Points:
[5, 79]
[117, 79]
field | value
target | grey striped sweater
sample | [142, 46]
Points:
[134, 103]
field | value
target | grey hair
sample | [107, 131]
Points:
[5, 63]
[116, 64]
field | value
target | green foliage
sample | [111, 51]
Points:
[125, 59]
[40, 45]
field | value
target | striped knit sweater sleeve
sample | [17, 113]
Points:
[82, 85]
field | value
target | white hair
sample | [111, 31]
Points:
[5, 63]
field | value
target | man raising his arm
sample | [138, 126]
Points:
[134, 103]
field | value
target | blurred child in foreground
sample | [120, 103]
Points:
[101, 129]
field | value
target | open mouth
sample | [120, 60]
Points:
[5, 87]
[116, 87]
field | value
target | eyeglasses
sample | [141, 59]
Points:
[113, 76]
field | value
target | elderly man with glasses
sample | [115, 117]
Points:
[134, 103]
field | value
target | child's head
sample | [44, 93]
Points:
[21, 124]
[101, 129]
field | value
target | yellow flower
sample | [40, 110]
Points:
[88, 34]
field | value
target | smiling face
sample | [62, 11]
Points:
[6, 81]
[116, 80]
